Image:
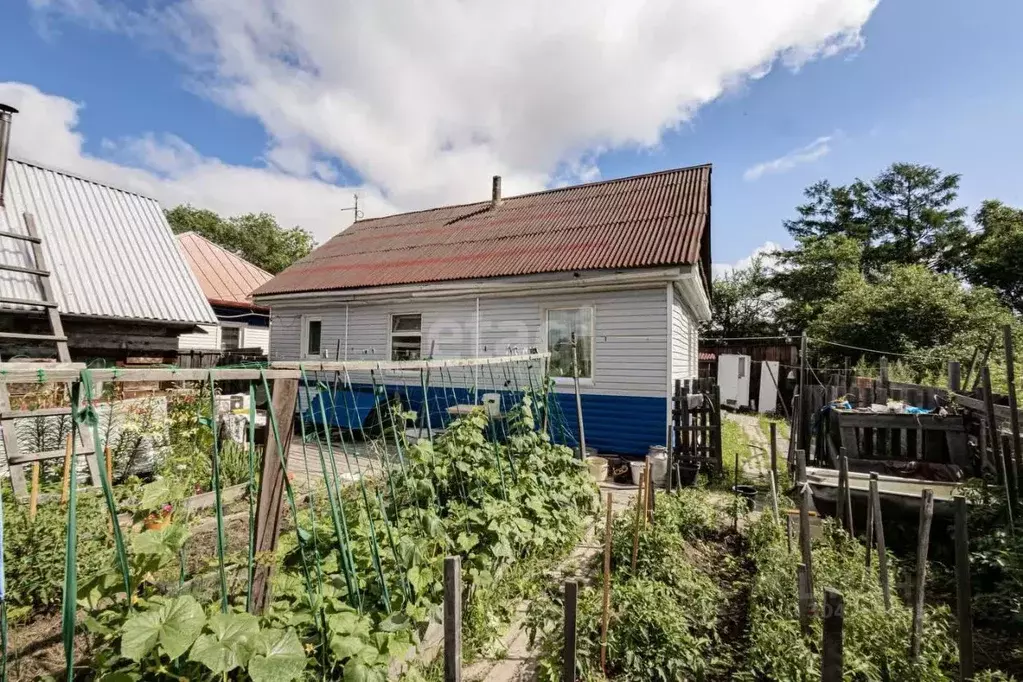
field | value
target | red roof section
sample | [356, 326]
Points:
[659, 219]
[226, 279]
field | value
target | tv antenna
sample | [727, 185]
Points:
[355, 209]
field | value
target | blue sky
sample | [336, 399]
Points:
[934, 82]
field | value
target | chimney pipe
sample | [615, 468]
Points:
[6, 113]
[496, 199]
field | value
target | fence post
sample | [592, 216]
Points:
[453, 619]
[270, 499]
[995, 444]
[788, 532]
[882, 552]
[571, 601]
[923, 543]
[954, 374]
[606, 608]
[963, 607]
[1010, 377]
[884, 373]
[834, 620]
[847, 510]
[804, 534]
[805, 598]
[716, 424]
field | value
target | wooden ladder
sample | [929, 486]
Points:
[15, 458]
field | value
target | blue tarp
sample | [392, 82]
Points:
[345, 410]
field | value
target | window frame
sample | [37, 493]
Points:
[241, 335]
[391, 334]
[304, 353]
[583, 381]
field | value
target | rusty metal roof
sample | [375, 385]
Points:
[659, 219]
[111, 252]
[225, 278]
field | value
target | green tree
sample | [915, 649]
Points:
[743, 303]
[256, 237]
[994, 257]
[911, 309]
[807, 277]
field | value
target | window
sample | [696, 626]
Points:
[742, 367]
[230, 338]
[312, 329]
[562, 326]
[406, 337]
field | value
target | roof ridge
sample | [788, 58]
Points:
[79, 176]
[552, 190]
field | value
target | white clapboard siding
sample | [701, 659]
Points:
[684, 340]
[630, 340]
[199, 341]
[256, 337]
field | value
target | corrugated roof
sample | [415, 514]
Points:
[643, 221]
[110, 252]
[225, 278]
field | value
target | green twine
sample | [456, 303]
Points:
[217, 500]
[70, 600]
[87, 415]
[252, 495]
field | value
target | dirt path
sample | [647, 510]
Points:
[518, 662]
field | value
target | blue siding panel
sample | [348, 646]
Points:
[621, 425]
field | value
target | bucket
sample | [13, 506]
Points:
[748, 492]
[598, 468]
[658, 455]
[637, 471]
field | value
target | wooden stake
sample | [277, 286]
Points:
[568, 656]
[963, 606]
[1010, 378]
[788, 531]
[578, 398]
[954, 372]
[805, 598]
[847, 510]
[995, 443]
[923, 543]
[66, 484]
[774, 497]
[639, 519]
[831, 653]
[774, 448]
[33, 500]
[804, 535]
[606, 612]
[882, 553]
[647, 490]
[869, 533]
[453, 619]
[650, 491]
[109, 456]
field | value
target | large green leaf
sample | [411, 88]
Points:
[230, 643]
[355, 671]
[277, 657]
[156, 494]
[174, 624]
[164, 542]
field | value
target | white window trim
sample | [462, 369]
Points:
[391, 333]
[583, 381]
[303, 353]
[241, 334]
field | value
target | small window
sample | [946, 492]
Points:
[406, 337]
[312, 337]
[564, 325]
[230, 338]
[742, 368]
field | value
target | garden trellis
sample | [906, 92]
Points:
[363, 426]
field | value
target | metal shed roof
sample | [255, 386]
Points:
[111, 253]
[659, 219]
[225, 278]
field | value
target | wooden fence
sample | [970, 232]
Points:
[696, 431]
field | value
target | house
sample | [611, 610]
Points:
[621, 264]
[120, 284]
[228, 281]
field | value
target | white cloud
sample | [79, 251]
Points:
[427, 100]
[169, 169]
[766, 251]
[817, 149]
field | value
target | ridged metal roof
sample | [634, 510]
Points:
[110, 253]
[225, 278]
[643, 221]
